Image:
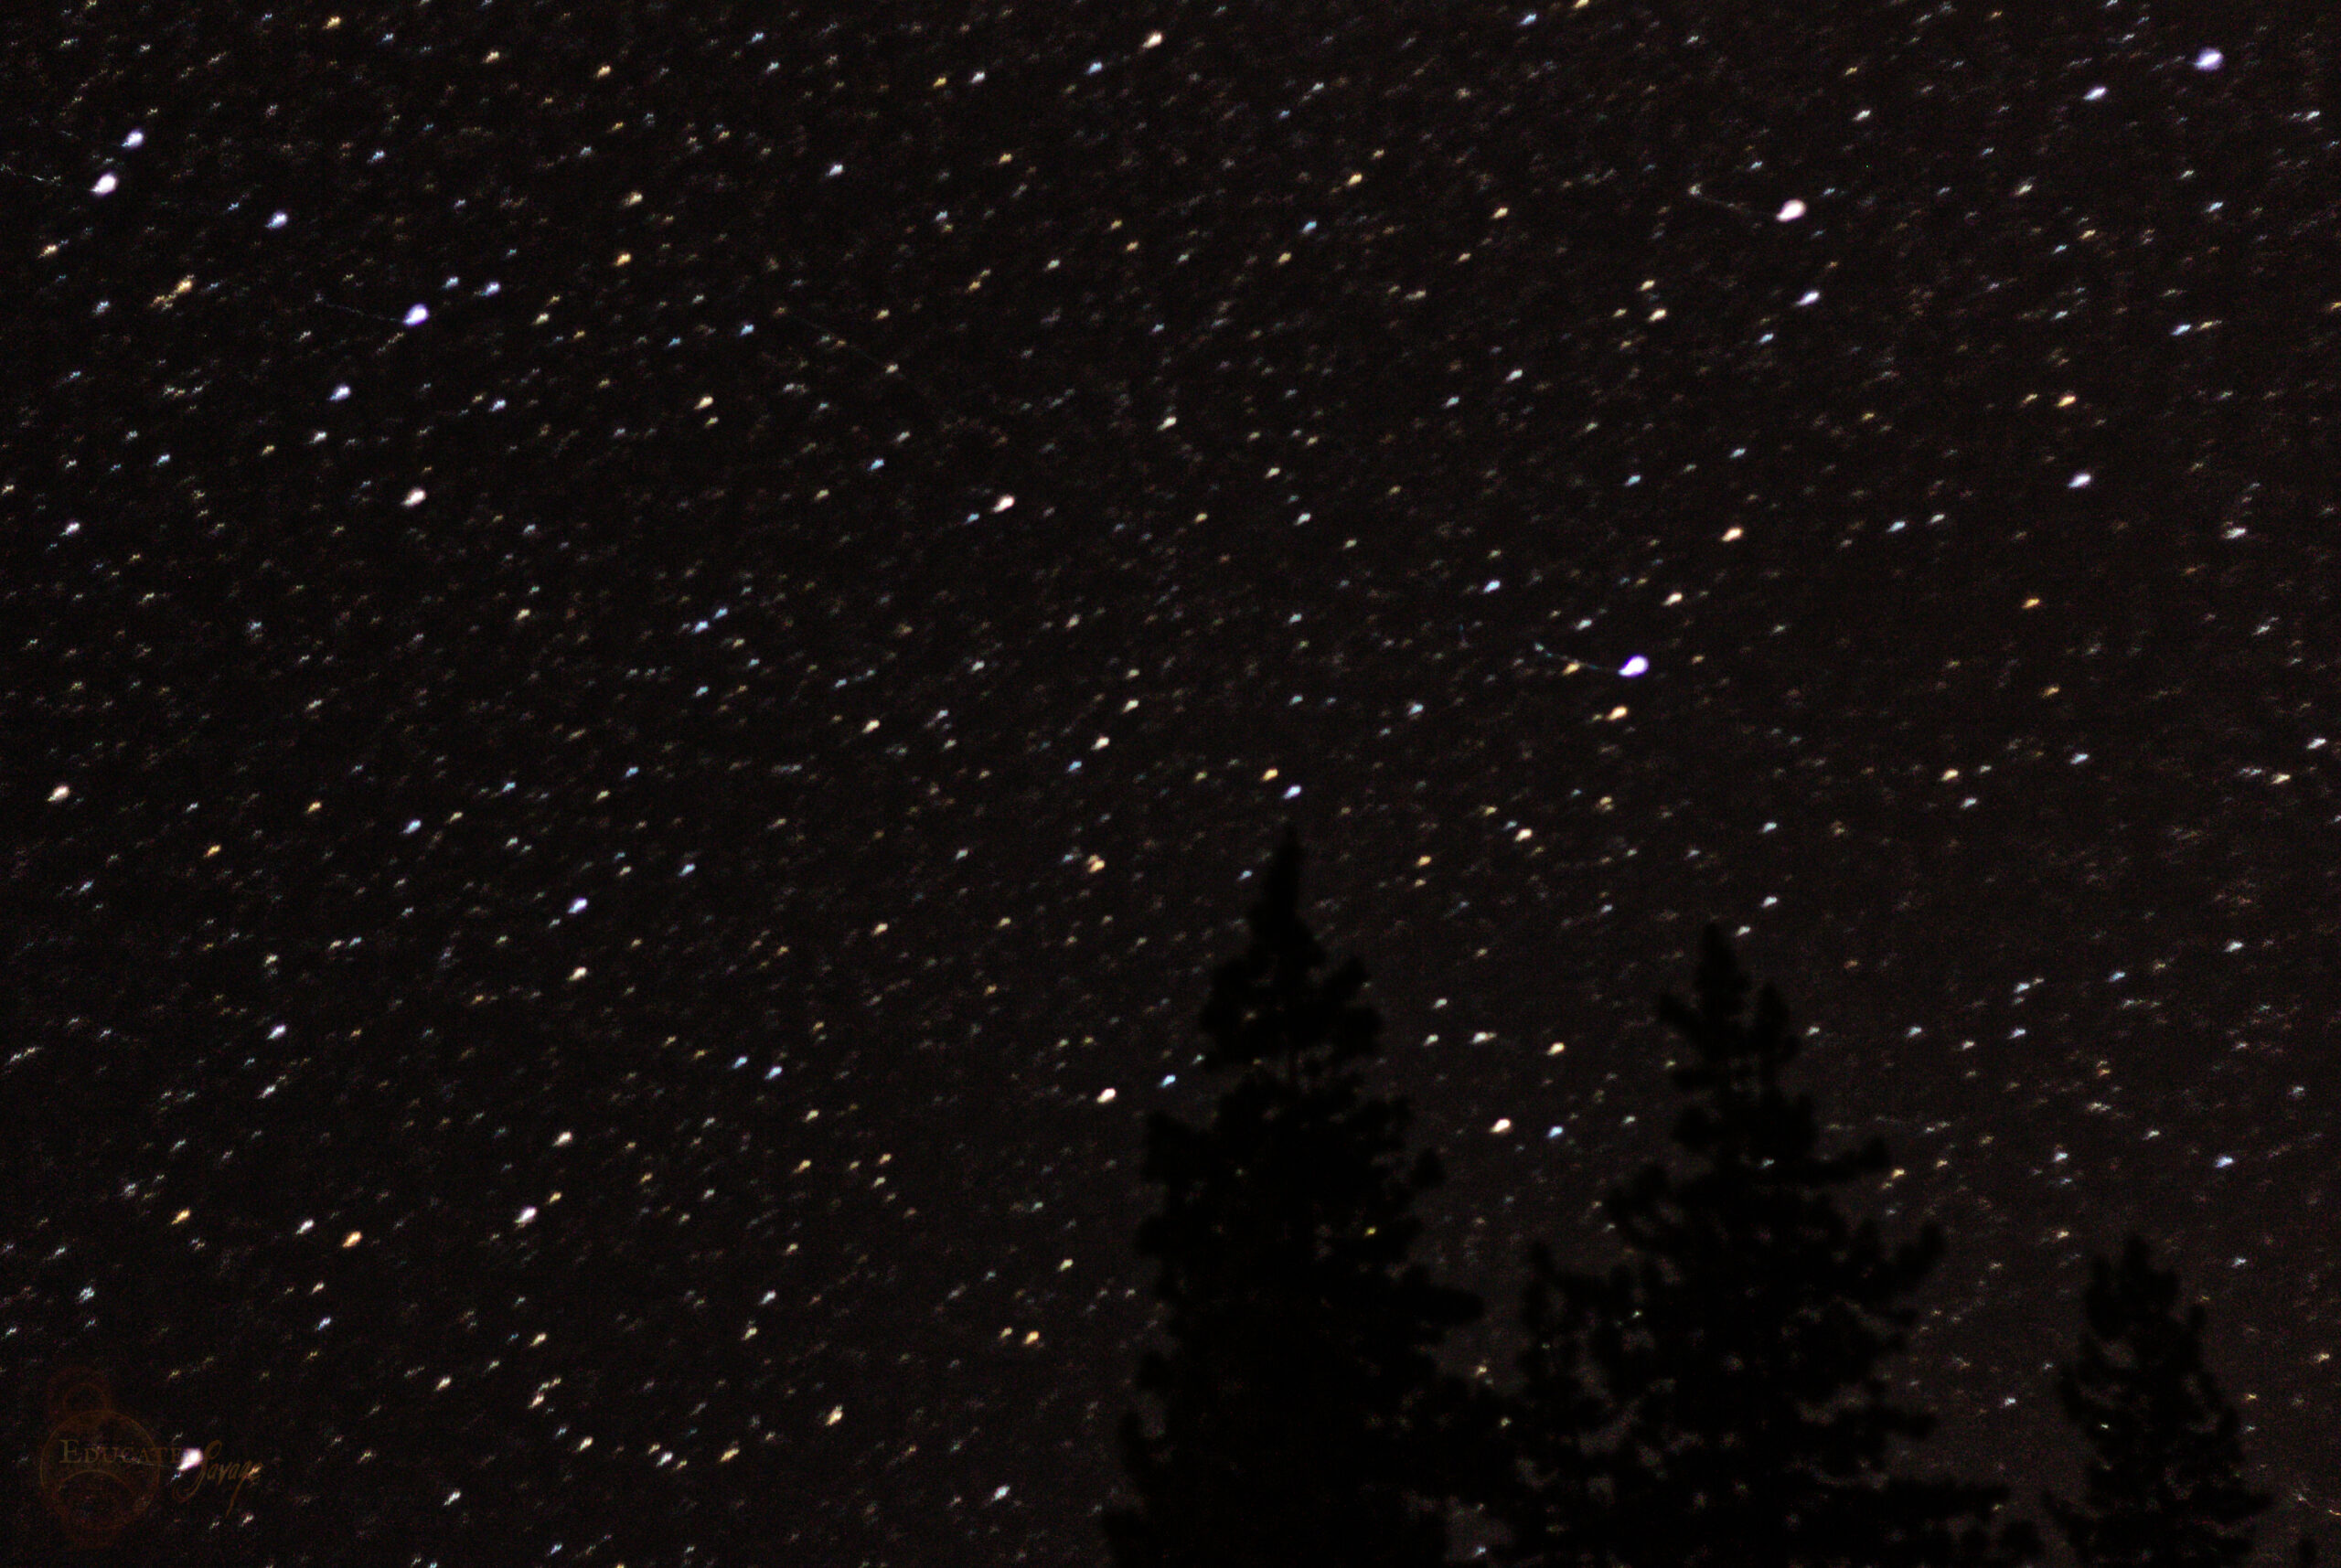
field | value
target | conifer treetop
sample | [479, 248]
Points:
[1718, 1398]
[1304, 1416]
[2165, 1481]
[1266, 1003]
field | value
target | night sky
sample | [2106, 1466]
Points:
[651, 649]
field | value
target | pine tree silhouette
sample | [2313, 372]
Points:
[1717, 1400]
[2164, 1488]
[1304, 1418]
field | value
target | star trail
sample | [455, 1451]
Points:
[651, 651]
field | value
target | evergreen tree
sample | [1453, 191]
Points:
[2164, 1488]
[1304, 1418]
[1717, 1400]
[1557, 1499]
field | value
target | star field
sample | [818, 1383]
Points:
[651, 650]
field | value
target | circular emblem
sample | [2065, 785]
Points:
[99, 1471]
